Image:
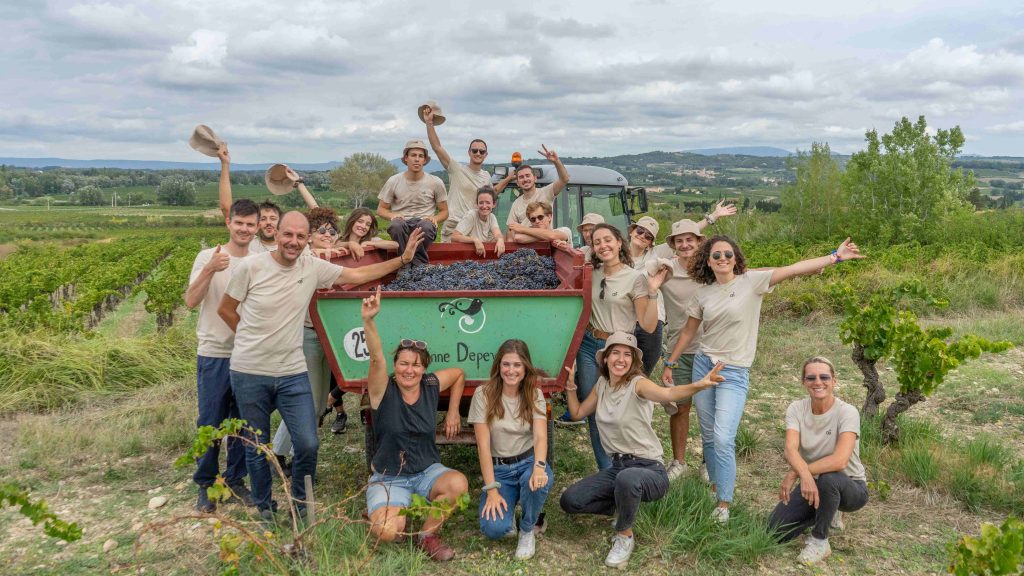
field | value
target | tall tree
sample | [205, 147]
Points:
[176, 191]
[814, 202]
[361, 176]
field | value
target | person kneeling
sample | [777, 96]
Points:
[509, 417]
[407, 462]
[623, 401]
[823, 452]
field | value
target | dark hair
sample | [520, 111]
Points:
[487, 190]
[495, 410]
[421, 352]
[624, 256]
[243, 207]
[405, 154]
[319, 216]
[268, 205]
[354, 217]
[698, 268]
[478, 140]
[636, 368]
[524, 167]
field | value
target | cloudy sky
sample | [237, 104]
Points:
[319, 80]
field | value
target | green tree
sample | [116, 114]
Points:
[90, 196]
[176, 191]
[360, 176]
[903, 186]
[813, 204]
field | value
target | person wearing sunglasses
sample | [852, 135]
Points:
[407, 462]
[727, 308]
[826, 476]
[526, 180]
[539, 229]
[642, 236]
[480, 225]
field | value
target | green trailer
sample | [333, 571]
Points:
[462, 328]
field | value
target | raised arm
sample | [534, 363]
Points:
[224, 184]
[454, 381]
[377, 380]
[846, 251]
[721, 211]
[563, 174]
[578, 410]
[435, 142]
[364, 274]
[503, 183]
[650, 391]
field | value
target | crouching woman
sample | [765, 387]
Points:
[823, 452]
[509, 417]
[407, 462]
[623, 402]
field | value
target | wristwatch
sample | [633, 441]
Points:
[540, 464]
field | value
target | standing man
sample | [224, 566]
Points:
[210, 274]
[414, 199]
[265, 304]
[530, 193]
[464, 180]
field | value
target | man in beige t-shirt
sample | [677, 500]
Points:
[527, 183]
[414, 200]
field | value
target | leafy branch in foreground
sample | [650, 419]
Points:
[13, 495]
[996, 551]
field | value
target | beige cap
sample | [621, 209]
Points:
[590, 218]
[438, 114]
[415, 143]
[647, 223]
[204, 140]
[277, 179]
[624, 338]
[652, 266]
[684, 226]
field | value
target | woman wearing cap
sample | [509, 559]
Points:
[509, 417]
[586, 230]
[621, 297]
[823, 452]
[623, 403]
[360, 234]
[406, 462]
[727, 307]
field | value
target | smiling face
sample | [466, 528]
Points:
[269, 220]
[819, 380]
[242, 229]
[606, 245]
[686, 245]
[324, 240]
[641, 237]
[409, 369]
[292, 237]
[618, 359]
[415, 159]
[362, 226]
[726, 260]
[484, 205]
[526, 180]
[512, 369]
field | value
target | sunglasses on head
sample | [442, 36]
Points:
[477, 151]
[537, 218]
[717, 255]
[822, 377]
[644, 233]
[408, 343]
[604, 284]
[327, 230]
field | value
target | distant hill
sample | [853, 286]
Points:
[152, 164]
[768, 151]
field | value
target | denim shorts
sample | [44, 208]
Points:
[388, 490]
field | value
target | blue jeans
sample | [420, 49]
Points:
[397, 491]
[319, 374]
[515, 487]
[719, 410]
[257, 397]
[650, 344]
[216, 403]
[586, 370]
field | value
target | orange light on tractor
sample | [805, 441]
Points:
[517, 158]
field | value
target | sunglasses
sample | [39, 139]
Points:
[646, 235]
[822, 377]
[408, 343]
[535, 219]
[327, 230]
[604, 284]
[477, 151]
[716, 255]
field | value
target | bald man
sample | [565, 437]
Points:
[265, 304]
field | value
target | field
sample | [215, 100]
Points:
[95, 413]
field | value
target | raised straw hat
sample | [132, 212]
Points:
[278, 181]
[204, 140]
[438, 114]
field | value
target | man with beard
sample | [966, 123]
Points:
[211, 272]
[414, 200]
[527, 183]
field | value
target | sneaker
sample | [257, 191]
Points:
[204, 504]
[622, 549]
[268, 519]
[566, 420]
[282, 460]
[815, 551]
[720, 515]
[340, 421]
[240, 493]
[676, 469]
[540, 526]
[435, 548]
[527, 546]
[837, 522]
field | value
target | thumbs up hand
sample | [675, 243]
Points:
[219, 261]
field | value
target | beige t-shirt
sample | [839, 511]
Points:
[616, 310]
[472, 226]
[258, 247]
[463, 184]
[517, 212]
[273, 302]
[410, 199]
[731, 316]
[664, 251]
[215, 337]
[639, 263]
[624, 421]
[510, 436]
[677, 292]
[820, 432]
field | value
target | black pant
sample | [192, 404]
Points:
[836, 491]
[650, 344]
[619, 489]
[401, 228]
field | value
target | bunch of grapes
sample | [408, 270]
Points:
[523, 269]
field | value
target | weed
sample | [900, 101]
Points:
[918, 463]
[747, 441]
[988, 450]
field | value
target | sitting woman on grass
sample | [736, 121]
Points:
[623, 401]
[407, 462]
[509, 417]
[823, 452]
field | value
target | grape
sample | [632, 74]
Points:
[523, 269]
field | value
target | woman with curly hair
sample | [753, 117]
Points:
[509, 417]
[360, 234]
[728, 305]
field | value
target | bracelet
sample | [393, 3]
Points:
[835, 257]
[670, 364]
[573, 389]
[709, 218]
[491, 486]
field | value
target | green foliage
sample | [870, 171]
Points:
[206, 436]
[90, 196]
[422, 508]
[872, 324]
[361, 176]
[747, 441]
[165, 286]
[814, 203]
[998, 550]
[176, 191]
[13, 495]
[922, 357]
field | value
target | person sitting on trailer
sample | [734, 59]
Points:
[360, 234]
[406, 462]
[539, 229]
[480, 225]
[414, 200]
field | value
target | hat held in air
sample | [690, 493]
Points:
[205, 141]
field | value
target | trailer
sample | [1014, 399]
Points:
[462, 329]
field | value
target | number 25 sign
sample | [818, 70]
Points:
[355, 345]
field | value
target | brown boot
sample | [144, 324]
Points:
[435, 548]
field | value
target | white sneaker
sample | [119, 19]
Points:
[676, 469]
[527, 545]
[815, 551]
[720, 515]
[622, 549]
[837, 522]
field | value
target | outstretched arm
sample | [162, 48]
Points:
[372, 272]
[846, 251]
[224, 184]
[650, 391]
[435, 142]
[721, 211]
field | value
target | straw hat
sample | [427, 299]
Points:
[278, 181]
[684, 226]
[204, 140]
[647, 223]
[590, 218]
[624, 338]
[438, 114]
[652, 266]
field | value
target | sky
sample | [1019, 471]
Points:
[315, 81]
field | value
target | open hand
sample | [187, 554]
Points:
[499, 247]
[712, 378]
[849, 251]
[723, 209]
[495, 506]
[415, 239]
[809, 490]
[452, 424]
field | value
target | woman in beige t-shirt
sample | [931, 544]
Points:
[623, 402]
[509, 417]
[360, 234]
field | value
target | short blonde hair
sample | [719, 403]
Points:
[818, 360]
[533, 206]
